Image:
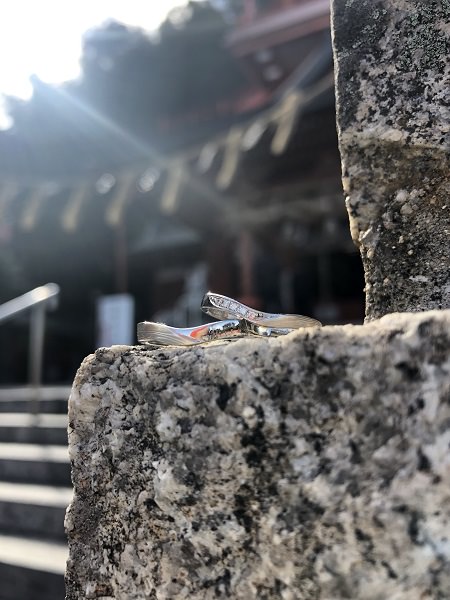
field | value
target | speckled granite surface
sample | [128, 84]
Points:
[393, 106]
[315, 466]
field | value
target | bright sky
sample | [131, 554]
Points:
[43, 37]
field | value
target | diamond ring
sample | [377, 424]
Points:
[222, 307]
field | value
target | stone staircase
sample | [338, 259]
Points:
[35, 490]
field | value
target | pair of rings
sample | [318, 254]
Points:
[236, 320]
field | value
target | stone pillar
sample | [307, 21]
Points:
[393, 101]
[265, 468]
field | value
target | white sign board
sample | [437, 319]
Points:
[115, 320]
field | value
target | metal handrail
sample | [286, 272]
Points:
[36, 301]
[45, 293]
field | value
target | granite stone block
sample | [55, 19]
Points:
[393, 114]
[313, 466]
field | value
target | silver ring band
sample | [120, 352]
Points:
[160, 334]
[222, 307]
[164, 335]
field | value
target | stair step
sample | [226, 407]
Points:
[31, 569]
[33, 463]
[49, 399]
[44, 495]
[33, 554]
[33, 429]
[33, 510]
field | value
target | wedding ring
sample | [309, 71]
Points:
[164, 335]
[236, 320]
[222, 307]
[159, 334]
